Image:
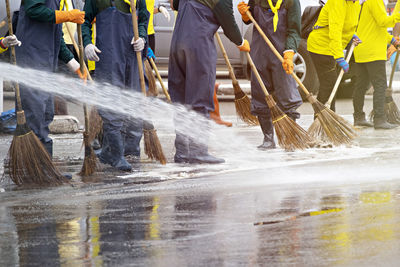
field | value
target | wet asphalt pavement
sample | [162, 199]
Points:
[320, 207]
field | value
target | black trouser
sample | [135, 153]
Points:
[152, 42]
[374, 72]
[327, 75]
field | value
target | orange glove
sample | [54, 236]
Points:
[245, 47]
[82, 76]
[75, 16]
[287, 63]
[243, 8]
[390, 51]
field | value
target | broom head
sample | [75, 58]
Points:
[243, 105]
[95, 124]
[153, 91]
[28, 161]
[152, 145]
[337, 130]
[290, 135]
[90, 161]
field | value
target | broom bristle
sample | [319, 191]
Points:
[317, 132]
[29, 162]
[243, 106]
[90, 161]
[290, 135]
[392, 113]
[151, 79]
[337, 130]
[152, 145]
[95, 124]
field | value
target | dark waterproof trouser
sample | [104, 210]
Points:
[39, 50]
[278, 83]
[371, 72]
[118, 66]
[327, 74]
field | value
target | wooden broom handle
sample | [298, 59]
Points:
[82, 66]
[255, 71]
[228, 63]
[153, 64]
[339, 78]
[138, 53]
[396, 59]
[77, 50]
[13, 56]
[277, 54]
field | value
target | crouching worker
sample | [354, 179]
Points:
[116, 63]
[40, 31]
[370, 57]
[9, 41]
[280, 21]
[192, 68]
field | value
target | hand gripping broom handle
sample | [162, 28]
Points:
[160, 79]
[277, 54]
[13, 57]
[82, 66]
[138, 53]
[228, 63]
[339, 78]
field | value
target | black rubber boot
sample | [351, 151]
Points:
[182, 149]
[381, 123]
[198, 154]
[360, 120]
[268, 131]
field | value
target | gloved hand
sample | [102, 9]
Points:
[390, 51]
[343, 64]
[245, 46]
[138, 45]
[10, 41]
[356, 40]
[74, 66]
[165, 12]
[243, 8]
[287, 63]
[91, 52]
[395, 41]
[150, 54]
[75, 16]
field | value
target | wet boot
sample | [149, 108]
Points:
[198, 154]
[182, 149]
[359, 120]
[268, 131]
[381, 123]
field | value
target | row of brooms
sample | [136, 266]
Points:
[30, 164]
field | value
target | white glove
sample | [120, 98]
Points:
[10, 40]
[165, 12]
[91, 52]
[73, 65]
[138, 45]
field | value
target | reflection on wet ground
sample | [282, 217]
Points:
[319, 207]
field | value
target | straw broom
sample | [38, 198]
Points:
[316, 130]
[160, 80]
[337, 129]
[152, 145]
[28, 161]
[290, 135]
[391, 110]
[151, 80]
[242, 101]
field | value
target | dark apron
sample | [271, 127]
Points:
[39, 50]
[118, 66]
[278, 83]
[193, 57]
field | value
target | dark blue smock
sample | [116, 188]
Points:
[278, 83]
[118, 66]
[39, 50]
[193, 57]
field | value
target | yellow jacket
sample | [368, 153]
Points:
[372, 31]
[1, 49]
[396, 8]
[339, 19]
[150, 7]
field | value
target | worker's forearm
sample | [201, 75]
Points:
[37, 10]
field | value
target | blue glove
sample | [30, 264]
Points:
[150, 54]
[356, 40]
[343, 64]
